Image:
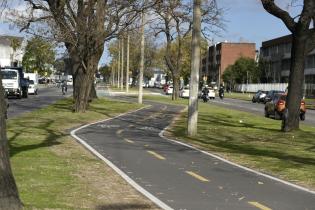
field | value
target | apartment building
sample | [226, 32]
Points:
[221, 55]
[276, 55]
[9, 57]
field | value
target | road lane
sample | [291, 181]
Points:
[256, 108]
[45, 97]
[182, 177]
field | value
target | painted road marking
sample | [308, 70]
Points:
[118, 132]
[156, 155]
[129, 141]
[258, 205]
[197, 176]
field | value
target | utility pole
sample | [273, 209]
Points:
[118, 66]
[122, 64]
[127, 64]
[141, 60]
[194, 75]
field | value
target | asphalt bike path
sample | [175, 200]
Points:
[175, 176]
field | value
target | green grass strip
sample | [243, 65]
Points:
[51, 170]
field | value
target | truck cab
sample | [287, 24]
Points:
[14, 83]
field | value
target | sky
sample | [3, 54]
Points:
[245, 20]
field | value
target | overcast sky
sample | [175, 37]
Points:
[246, 20]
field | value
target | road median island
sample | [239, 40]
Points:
[250, 140]
[53, 171]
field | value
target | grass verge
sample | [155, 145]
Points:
[53, 171]
[252, 141]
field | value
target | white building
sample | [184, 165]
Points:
[9, 57]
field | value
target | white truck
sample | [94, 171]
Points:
[33, 80]
[14, 82]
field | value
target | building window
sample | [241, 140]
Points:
[285, 64]
[310, 62]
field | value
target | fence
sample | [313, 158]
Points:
[309, 89]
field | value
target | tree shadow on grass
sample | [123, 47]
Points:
[232, 140]
[253, 151]
[18, 142]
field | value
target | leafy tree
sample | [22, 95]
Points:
[243, 70]
[151, 52]
[229, 77]
[303, 42]
[105, 72]
[174, 21]
[15, 43]
[39, 56]
[83, 27]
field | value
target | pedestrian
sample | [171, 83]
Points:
[64, 87]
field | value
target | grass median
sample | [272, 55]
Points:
[251, 140]
[52, 171]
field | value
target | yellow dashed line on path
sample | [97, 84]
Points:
[258, 205]
[129, 141]
[156, 155]
[197, 176]
[118, 132]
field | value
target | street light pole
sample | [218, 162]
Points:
[194, 75]
[141, 60]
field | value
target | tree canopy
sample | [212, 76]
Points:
[39, 56]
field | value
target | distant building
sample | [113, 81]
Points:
[221, 55]
[9, 57]
[276, 54]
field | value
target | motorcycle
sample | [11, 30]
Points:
[221, 95]
[205, 97]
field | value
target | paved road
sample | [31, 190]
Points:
[46, 96]
[256, 108]
[181, 177]
[247, 106]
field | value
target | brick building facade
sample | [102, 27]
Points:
[223, 54]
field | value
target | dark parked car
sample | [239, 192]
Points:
[259, 96]
[276, 107]
[270, 95]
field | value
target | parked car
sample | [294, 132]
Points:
[184, 92]
[259, 96]
[270, 95]
[211, 94]
[276, 107]
[169, 90]
[32, 88]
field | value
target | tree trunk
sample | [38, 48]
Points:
[118, 66]
[82, 91]
[9, 196]
[194, 75]
[93, 94]
[296, 79]
[127, 64]
[83, 81]
[176, 81]
[122, 65]
[141, 60]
